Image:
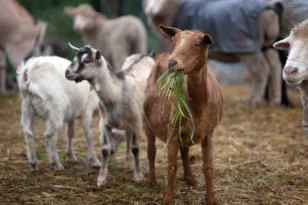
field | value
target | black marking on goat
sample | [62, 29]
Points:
[105, 140]
[135, 151]
[84, 50]
[104, 153]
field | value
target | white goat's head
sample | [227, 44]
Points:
[85, 65]
[84, 17]
[296, 69]
[154, 7]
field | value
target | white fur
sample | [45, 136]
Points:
[47, 94]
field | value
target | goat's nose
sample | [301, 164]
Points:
[171, 63]
[67, 72]
[290, 70]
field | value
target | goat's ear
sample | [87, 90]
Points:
[168, 31]
[152, 54]
[75, 49]
[207, 40]
[70, 11]
[282, 44]
[98, 55]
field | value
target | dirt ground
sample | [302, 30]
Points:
[260, 157]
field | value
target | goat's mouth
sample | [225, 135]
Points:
[293, 81]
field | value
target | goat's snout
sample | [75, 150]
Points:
[290, 70]
[171, 63]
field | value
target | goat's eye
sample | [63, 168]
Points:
[87, 61]
[172, 40]
[198, 43]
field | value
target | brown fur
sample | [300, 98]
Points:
[205, 102]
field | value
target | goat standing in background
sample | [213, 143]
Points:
[117, 38]
[205, 101]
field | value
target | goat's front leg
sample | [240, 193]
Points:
[188, 177]
[207, 154]
[86, 122]
[135, 150]
[50, 136]
[151, 154]
[27, 124]
[173, 147]
[70, 156]
[106, 152]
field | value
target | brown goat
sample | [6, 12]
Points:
[205, 102]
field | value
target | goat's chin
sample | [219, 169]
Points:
[294, 82]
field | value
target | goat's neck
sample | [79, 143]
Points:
[107, 86]
[92, 36]
[196, 82]
[303, 88]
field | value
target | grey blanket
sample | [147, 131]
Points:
[233, 24]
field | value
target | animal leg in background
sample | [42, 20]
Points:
[305, 113]
[2, 73]
[275, 76]
[129, 154]
[188, 177]
[27, 125]
[86, 121]
[207, 155]
[70, 156]
[259, 69]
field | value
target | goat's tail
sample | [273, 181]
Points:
[39, 76]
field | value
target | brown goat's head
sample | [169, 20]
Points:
[190, 49]
[85, 65]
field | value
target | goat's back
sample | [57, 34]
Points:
[43, 78]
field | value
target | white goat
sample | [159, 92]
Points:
[117, 38]
[47, 94]
[295, 71]
[122, 95]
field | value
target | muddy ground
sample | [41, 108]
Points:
[260, 157]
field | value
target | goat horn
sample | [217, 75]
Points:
[73, 47]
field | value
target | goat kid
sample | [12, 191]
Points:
[47, 94]
[121, 95]
[205, 102]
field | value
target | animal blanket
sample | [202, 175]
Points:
[233, 24]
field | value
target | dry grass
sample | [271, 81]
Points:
[260, 157]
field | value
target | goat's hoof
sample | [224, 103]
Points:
[211, 201]
[138, 176]
[168, 198]
[34, 166]
[58, 168]
[152, 182]
[95, 163]
[255, 103]
[71, 157]
[101, 181]
[102, 177]
[190, 181]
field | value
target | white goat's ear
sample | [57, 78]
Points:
[168, 31]
[75, 49]
[283, 44]
[97, 55]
